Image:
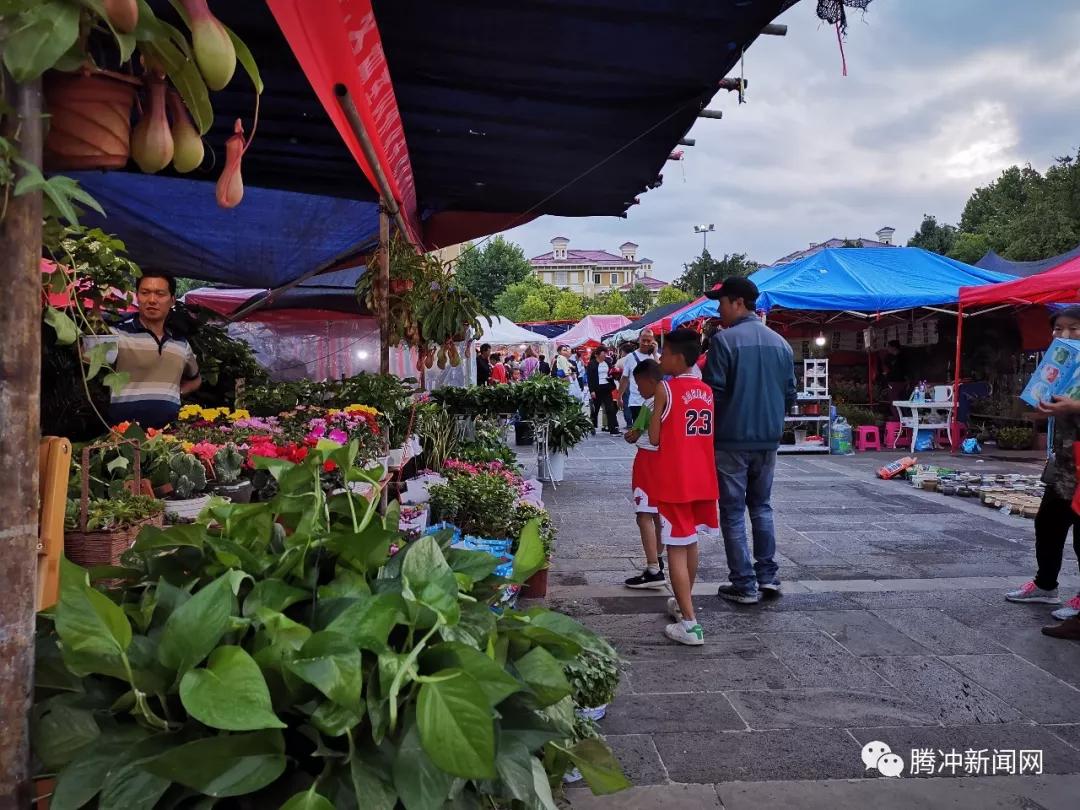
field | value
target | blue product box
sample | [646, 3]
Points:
[1058, 375]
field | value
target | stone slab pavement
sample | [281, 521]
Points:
[892, 628]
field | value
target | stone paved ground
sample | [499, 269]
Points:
[892, 628]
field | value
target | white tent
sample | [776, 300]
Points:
[499, 331]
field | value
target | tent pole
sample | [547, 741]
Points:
[956, 369]
[382, 290]
[20, 384]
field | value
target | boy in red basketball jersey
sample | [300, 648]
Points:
[684, 475]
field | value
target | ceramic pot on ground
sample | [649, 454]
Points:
[554, 469]
[186, 509]
[240, 492]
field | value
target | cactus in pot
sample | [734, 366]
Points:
[187, 476]
[228, 464]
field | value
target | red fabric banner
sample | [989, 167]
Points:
[338, 42]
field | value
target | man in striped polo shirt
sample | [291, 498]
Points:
[161, 365]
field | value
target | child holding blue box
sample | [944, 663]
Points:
[1056, 515]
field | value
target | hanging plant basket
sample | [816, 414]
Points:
[89, 119]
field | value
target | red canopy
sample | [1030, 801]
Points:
[1060, 284]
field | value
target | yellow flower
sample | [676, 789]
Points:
[190, 411]
[210, 414]
[238, 414]
[168, 437]
[361, 409]
[186, 446]
[333, 411]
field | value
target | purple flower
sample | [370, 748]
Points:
[339, 436]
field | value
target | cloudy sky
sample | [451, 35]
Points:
[941, 95]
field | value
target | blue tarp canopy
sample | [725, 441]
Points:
[271, 238]
[999, 264]
[861, 280]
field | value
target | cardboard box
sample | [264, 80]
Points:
[1058, 375]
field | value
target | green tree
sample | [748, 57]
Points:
[534, 308]
[487, 271]
[612, 302]
[932, 236]
[969, 247]
[568, 307]
[705, 271]
[639, 298]
[672, 295]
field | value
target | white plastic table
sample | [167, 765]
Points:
[916, 416]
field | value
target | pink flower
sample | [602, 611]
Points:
[339, 436]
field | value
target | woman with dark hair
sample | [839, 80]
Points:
[1056, 516]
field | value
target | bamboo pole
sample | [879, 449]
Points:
[382, 291]
[20, 382]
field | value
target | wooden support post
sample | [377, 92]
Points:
[20, 384]
[382, 289]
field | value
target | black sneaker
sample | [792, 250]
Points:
[646, 580]
[770, 590]
[733, 594]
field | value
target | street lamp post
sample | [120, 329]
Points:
[704, 230]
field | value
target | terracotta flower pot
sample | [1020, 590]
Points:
[90, 120]
[536, 585]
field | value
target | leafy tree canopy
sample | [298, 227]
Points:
[932, 236]
[568, 307]
[488, 270]
[672, 295]
[533, 308]
[705, 271]
[612, 302]
[639, 298]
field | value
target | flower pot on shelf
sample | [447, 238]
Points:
[89, 119]
[186, 508]
[536, 586]
[554, 468]
[239, 492]
[396, 458]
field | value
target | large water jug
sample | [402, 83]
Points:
[840, 438]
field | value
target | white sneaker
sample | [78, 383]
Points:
[1030, 592]
[691, 638]
[1070, 609]
[673, 609]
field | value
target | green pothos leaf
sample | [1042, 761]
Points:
[116, 381]
[66, 330]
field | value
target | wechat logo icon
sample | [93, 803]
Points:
[877, 756]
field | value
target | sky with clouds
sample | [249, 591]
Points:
[940, 97]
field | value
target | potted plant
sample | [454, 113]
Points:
[1015, 438]
[213, 681]
[536, 586]
[594, 677]
[412, 520]
[480, 505]
[228, 466]
[187, 479]
[110, 527]
[90, 106]
[565, 430]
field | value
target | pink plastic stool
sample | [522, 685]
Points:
[867, 437]
[893, 432]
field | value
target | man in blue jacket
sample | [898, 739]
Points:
[752, 373]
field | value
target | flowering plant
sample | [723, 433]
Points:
[509, 474]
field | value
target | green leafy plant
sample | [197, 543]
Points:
[594, 676]
[523, 515]
[568, 428]
[187, 475]
[440, 435]
[857, 415]
[228, 464]
[482, 452]
[1015, 438]
[222, 359]
[111, 514]
[279, 655]
[480, 505]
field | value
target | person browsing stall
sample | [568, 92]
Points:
[627, 387]
[160, 365]
[684, 482]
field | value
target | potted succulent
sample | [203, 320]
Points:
[228, 466]
[593, 677]
[187, 477]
